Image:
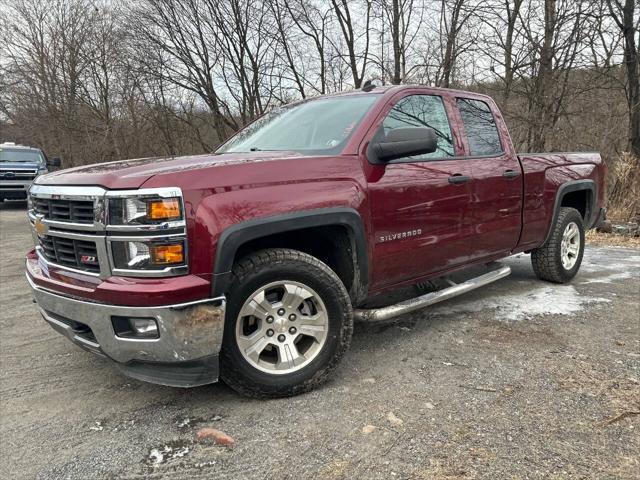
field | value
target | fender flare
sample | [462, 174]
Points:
[233, 237]
[575, 186]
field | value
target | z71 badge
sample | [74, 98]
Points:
[399, 235]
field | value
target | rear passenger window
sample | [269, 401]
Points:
[480, 126]
[423, 111]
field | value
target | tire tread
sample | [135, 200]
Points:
[545, 259]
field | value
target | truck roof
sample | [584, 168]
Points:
[389, 90]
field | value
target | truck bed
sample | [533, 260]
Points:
[546, 175]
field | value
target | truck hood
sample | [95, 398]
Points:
[20, 165]
[131, 174]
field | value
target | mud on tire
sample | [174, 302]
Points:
[271, 345]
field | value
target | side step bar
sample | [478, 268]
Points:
[413, 304]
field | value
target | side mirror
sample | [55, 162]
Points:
[54, 162]
[405, 142]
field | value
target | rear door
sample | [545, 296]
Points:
[496, 206]
[419, 204]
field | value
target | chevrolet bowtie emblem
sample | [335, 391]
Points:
[40, 227]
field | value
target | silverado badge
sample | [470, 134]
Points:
[399, 235]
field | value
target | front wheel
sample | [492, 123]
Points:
[289, 321]
[559, 259]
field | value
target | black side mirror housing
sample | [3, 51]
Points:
[54, 162]
[405, 142]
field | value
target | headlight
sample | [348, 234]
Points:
[144, 211]
[148, 255]
[146, 232]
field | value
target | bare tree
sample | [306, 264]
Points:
[313, 24]
[178, 41]
[283, 23]
[246, 52]
[625, 18]
[454, 16]
[45, 55]
[98, 80]
[501, 23]
[400, 21]
[348, 26]
[559, 44]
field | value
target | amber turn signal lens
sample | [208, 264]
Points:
[164, 209]
[167, 254]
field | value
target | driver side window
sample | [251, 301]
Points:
[423, 111]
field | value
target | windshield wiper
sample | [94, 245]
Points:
[252, 149]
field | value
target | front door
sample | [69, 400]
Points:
[419, 205]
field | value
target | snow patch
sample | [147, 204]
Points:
[548, 300]
[601, 260]
[609, 278]
[166, 453]
[156, 456]
[97, 427]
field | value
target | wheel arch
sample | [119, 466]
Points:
[236, 239]
[564, 194]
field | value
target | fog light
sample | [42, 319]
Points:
[133, 327]
[145, 327]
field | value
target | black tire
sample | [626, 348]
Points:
[547, 259]
[273, 265]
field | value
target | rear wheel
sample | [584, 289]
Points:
[559, 259]
[289, 321]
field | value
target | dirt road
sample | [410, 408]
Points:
[522, 379]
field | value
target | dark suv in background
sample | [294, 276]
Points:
[19, 166]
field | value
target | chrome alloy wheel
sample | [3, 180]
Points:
[282, 327]
[570, 246]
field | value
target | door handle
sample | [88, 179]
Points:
[511, 173]
[458, 178]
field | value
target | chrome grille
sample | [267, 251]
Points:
[79, 254]
[11, 174]
[76, 211]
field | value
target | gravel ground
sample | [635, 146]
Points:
[521, 379]
[611, 240]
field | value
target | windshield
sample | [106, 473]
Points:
[320, 126]
[20, 155]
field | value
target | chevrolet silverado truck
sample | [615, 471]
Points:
[19, 165]
[251, 263]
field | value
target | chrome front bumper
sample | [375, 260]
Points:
[14, 188]
[190, 336]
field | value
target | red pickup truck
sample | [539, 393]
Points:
[252, 263]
